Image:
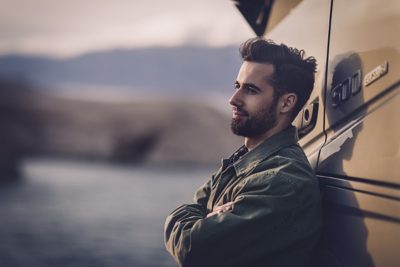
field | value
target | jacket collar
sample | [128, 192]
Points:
[264, 150]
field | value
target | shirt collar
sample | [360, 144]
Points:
[270, 146]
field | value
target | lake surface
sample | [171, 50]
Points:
[80, 214]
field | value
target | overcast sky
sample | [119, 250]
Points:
[64, 28]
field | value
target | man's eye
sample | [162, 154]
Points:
[236, 86]
[251, 90]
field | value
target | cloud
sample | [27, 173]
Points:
[73, 27]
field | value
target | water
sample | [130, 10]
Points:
[73, 214]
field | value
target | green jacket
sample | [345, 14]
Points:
[275, 219]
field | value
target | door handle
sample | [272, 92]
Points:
[309, 118]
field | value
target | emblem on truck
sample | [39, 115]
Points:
[376, 73]
[346, 89]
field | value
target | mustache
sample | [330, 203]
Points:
[240, 110]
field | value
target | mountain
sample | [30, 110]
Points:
[158, 69]
[154, 130]
[156, 133]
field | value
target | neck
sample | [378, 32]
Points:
[252, 142]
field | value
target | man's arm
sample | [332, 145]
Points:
[203, 193]
[260, 221]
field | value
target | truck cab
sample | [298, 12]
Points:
[350, 127]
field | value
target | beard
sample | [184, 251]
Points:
[256, 125]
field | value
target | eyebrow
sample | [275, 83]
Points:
[250, 85]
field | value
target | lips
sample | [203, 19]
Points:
[239, 112]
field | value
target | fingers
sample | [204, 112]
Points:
[220, 209]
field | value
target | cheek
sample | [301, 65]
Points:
[259, 105]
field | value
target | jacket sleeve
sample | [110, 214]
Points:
[259, 223]
[202, 194]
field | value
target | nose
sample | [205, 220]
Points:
[236, 99]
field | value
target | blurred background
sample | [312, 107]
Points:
[112, 113]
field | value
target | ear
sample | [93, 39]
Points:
[287, 102]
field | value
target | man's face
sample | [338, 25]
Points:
[253, 106]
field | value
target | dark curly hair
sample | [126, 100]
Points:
[293, 72]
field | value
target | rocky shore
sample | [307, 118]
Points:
[153, 132]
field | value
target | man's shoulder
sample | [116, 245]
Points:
[285, 172]
[292, 155]
[289, 163]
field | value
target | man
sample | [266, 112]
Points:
[262, 208]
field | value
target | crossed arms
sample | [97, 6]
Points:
[264, 218]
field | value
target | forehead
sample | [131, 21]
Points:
[254, 72]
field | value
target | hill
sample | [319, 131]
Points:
[155, 133]
[170, 70]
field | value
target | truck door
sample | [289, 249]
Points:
[359, 165]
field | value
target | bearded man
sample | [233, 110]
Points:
[262, 207]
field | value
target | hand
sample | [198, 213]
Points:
[220, 209]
